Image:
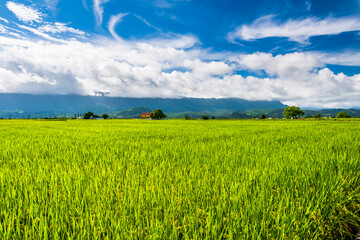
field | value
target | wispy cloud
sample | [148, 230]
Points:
[25, 13]
[85, 4]
[60, 28]
[41, 34]
[168, 3]
[99, 10]
[163, 4]
[295, 30]
[147, 23]
[52, 4]
[308, 5]
[4, 20]
[114, 20]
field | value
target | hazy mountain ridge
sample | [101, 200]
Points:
[74, 104]
[26, 106]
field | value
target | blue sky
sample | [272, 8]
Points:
[299, 52]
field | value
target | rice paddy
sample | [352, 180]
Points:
[177, 179]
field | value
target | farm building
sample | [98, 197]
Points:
[145, 116]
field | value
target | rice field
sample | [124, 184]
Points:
[177, 179]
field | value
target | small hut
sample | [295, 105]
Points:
[145, 116]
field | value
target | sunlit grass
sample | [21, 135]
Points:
[125, 179]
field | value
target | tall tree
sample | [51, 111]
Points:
[88, 115]
[293, 112]
[343, 114]
[158, 114]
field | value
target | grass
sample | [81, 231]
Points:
[176, 179]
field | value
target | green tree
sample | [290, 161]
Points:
[204, 117]
[88, 115]
[293, 112]
[343, 114]
[186, 117]
[158, 114]
[317, 116]
[105, 116]
[262, 116]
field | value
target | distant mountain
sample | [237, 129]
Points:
[20, 104]
[133, 112]
[278, 113]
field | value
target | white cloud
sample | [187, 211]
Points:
[168, 3]
[3, 29]
[4, 20]
[168, 66]
[301, 79]
[177, 41]
[99, 10]
[134, 69]
[295, 30]
[344, 58]
[289, 65]
[52, 4]
[163, 4]
[114, 20]
[85, 4]
[24, 13]
[59, 28]
[147, 23]
[41, 34]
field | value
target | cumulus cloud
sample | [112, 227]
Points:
[141, 69]
[25, 13]
[167, 66]
[295, 30]
[99, 10]
[114, 20]
[288, 65]
[301, 79]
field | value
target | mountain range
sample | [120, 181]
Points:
[39, 106]
[20, 104]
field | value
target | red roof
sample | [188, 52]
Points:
[146, 114]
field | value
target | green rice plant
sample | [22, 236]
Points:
[177, 179]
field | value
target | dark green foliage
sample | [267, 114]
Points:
[213, 117]
[186, 117]
[317, 116]
[262, 116]
[343, 114]
[293, 112]
[105, 116]
[205, 117]
[88, 115]
[237, 115]
[158, 114]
